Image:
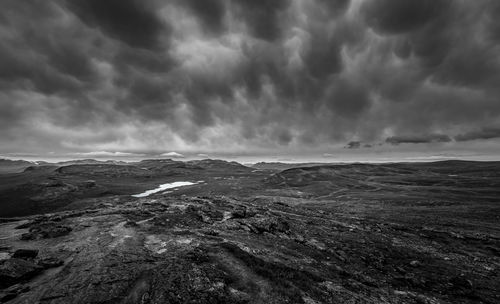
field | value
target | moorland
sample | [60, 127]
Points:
[73, 232]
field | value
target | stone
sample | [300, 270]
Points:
[46, 231]
[270, 225]
[12, 292]
[415, 263]
[25, 254]
[14, 271]
[89, 184]
[50, 262]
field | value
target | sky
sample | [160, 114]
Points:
[276, 80]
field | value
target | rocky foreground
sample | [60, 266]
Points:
[280, 245]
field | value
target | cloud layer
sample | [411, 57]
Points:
[246, 76]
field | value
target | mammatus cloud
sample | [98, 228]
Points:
[132, 22]
[246, 76]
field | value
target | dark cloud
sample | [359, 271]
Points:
[417, 139]
[35, 55]
[348, 98]
[325, 60]
[147, 61]
[335, 6]
[357, 145]
[400, 16]
[246, 75]
[485, 133]
[353, 145]
[132, 21]
[263, 17]
[493, 26]
[210, 12]
[424, 27]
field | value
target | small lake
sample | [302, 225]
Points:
[164, 187]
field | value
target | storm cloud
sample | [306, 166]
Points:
[419, 139]
[485, 133]
[246, 76]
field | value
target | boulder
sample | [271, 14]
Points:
[269, 225]
[89, 184]
[240, 212]
[14, 270]
[12, 292]
[46, 231]
[50, 262]
[25, 254]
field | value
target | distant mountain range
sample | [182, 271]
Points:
[13, 166]
[17, 166]
[284, 166]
